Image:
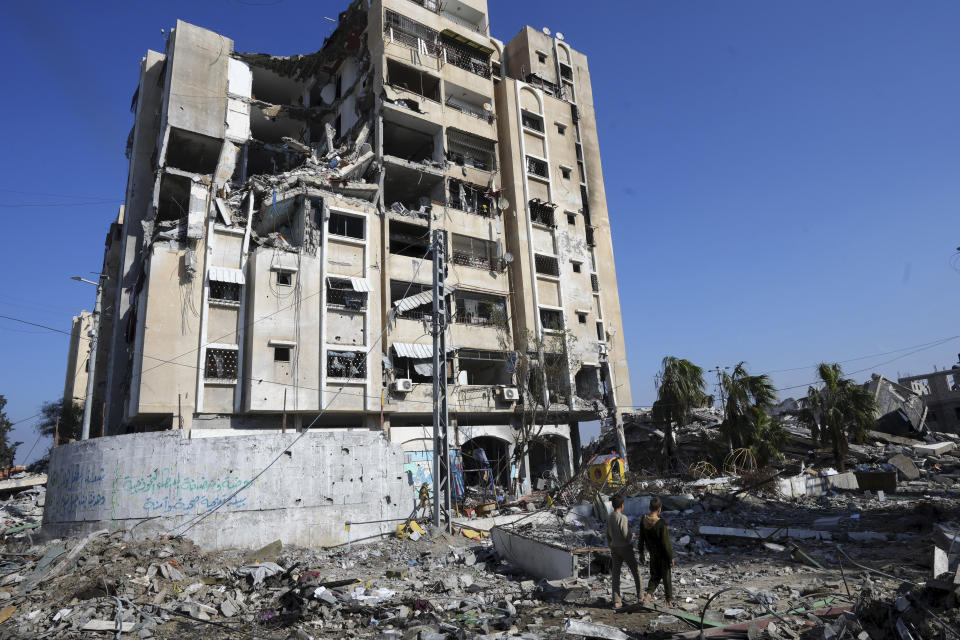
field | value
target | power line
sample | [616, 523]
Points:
[873, 355]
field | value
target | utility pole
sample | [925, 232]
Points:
[92, 359]
[441, 443]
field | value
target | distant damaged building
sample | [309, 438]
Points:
[272, 263]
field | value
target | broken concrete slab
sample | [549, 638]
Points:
[941, 562]
[934, 448]
[538, 558]
[765, 533]
[593, 630]
[905, 466]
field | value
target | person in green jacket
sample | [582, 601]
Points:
[656, 539]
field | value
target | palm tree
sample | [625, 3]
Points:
[837, 410]
[747, 399]
[680, 388]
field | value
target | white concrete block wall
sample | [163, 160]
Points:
[160, 480]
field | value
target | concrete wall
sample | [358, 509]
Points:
[75, 383]
[157, 481]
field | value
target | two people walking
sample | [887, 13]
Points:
[654, 538]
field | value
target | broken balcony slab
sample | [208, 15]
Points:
[810, 485]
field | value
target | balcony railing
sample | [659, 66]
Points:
[347, 299]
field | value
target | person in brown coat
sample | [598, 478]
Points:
[656, 539]
[620, 542]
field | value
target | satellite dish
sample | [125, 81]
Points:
[559, 36]
[508, 257]
[487, 106]
[546, 30]
[503, 203]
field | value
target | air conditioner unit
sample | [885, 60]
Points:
[602, 348]
[510, 393]
[403, 385]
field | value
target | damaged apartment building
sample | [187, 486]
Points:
[271, 268]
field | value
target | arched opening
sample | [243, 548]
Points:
[486, 458]
[549, 461]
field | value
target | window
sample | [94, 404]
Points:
[281, 354]
[409, 240]
[582, 317]
[341, 294]
[480, 309]
[542, 57]
[551, 319]
[344, 225]
[562, 129]
[284, 278]
[566, 72]
[473, 252]
[594, 282]
[531, 121]
[483, 367]
[221, 364]
[565, 172]
[470, 198]
[468, 150]
[224, 291]
[576, 267]
[346, 364]
[546, 265]
[536, 167]
[571, 219]
[541, 212]
[601, 336]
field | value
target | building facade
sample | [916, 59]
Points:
[940, 392]
[272, 268]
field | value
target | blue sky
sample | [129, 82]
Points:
[782, 178]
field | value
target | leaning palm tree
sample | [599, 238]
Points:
[838, 410]
[680, 388]
[747, 397]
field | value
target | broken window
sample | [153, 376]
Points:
[281, 354]
[471, 151]
[409, 240]
[594, 282]
[536, 167]
[345, 225]
[173, 202]
[341, 294]
[284, 278]
[546, 265]
[588, 233]
[480, 309]
[470, 198]
[225, 292]
[541, 212]
[410, 33]
[417, 370]
[413, 80]
[405, 291]
[407, 143]
[551, 319]
[192, 152]
[466, 57]
[587, 381]
[566, 72]
[473, 252]
[531, 121]
[346, 364]
[221, 364]
[479, 367]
